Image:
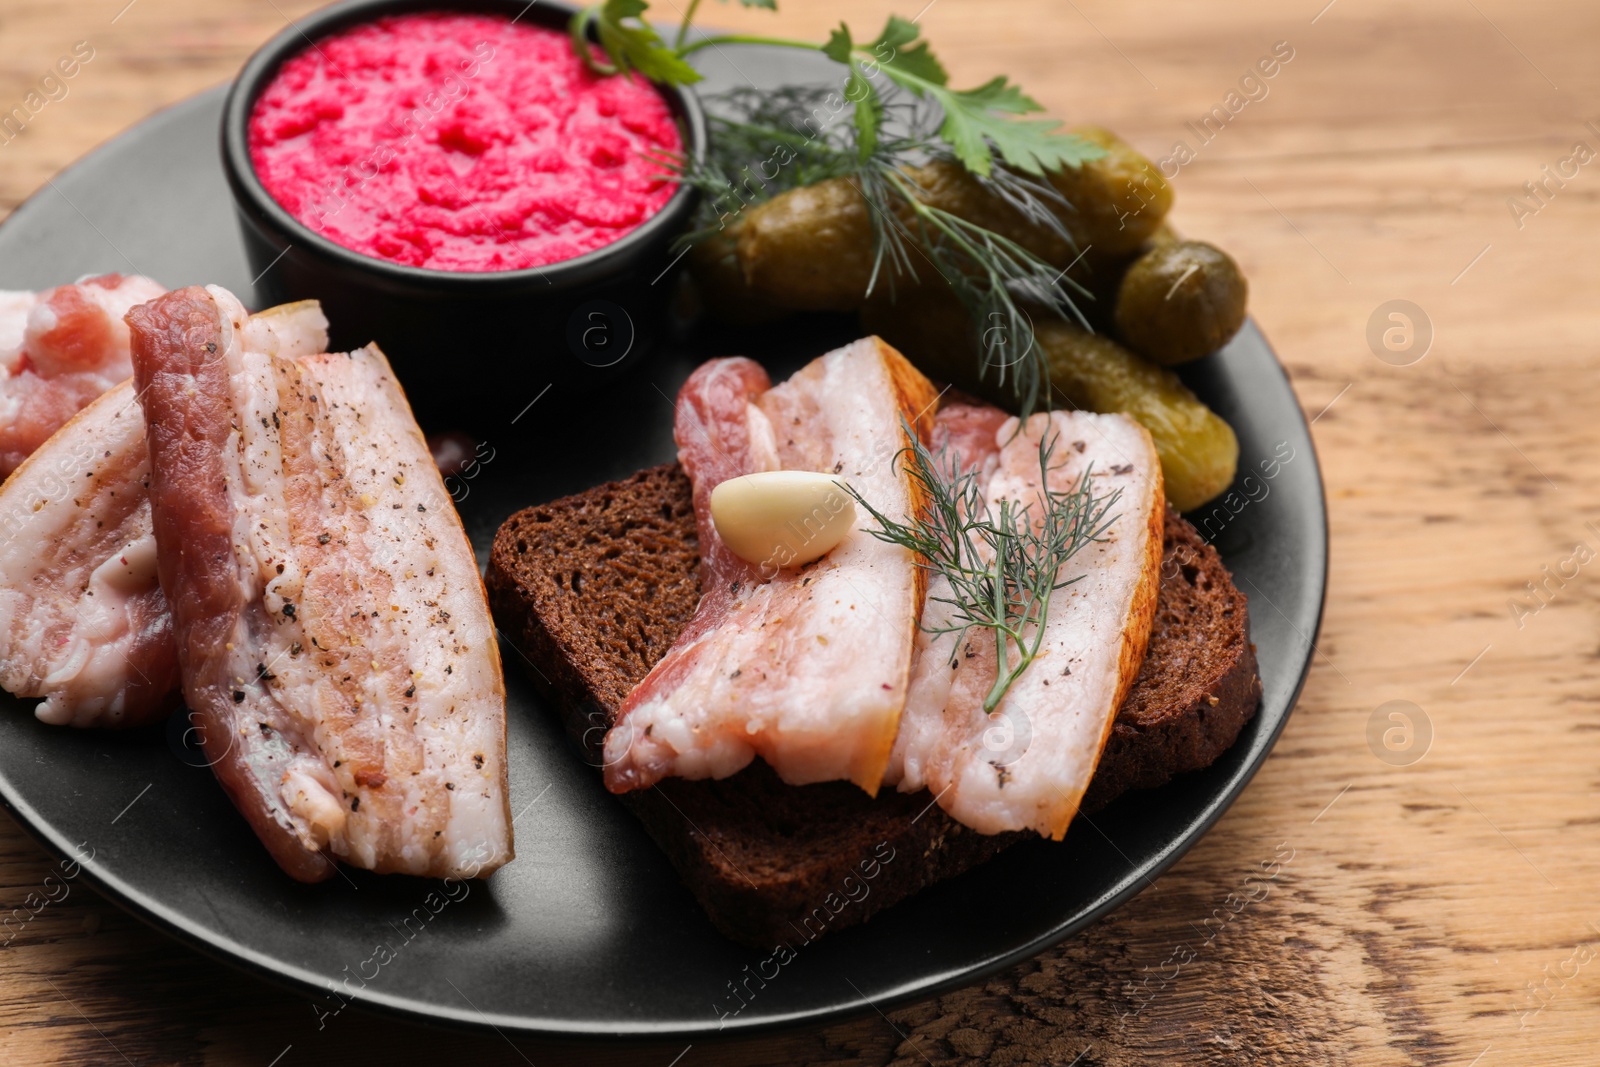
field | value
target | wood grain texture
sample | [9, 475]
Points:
[1436, 913]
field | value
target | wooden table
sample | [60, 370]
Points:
[1439, 906]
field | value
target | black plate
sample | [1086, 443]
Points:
[589, 931]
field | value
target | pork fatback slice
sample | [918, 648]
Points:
[804, 666]
[967, 436]
[60, 349]
[331, 626]
[83, 622]
[1025, 766]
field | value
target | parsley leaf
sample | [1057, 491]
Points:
[981, 126]
[895, 52]
[839, 45]
[896, 33]
[978, 120]
[978, 123]
[635, 45]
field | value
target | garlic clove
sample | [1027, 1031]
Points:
[779, 519]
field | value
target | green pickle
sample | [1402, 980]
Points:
[1199, 452]
[720, 284]
[1119, 200]
[1179, 301]
[811, 247]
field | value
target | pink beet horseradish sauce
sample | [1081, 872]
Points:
[461, 142]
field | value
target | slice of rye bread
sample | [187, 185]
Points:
[593, 588]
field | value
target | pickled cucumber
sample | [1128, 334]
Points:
[811, 247]
[719, 283]
[1198, 450]
[1180, 301]
[1119, 200]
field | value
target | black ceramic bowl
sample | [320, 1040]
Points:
[472, 349]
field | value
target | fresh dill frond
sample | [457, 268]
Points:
[1002, 567]
[766, 143]
[991, 274]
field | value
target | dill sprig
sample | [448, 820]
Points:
[912, 240]
[1002, 567]
[989, 273]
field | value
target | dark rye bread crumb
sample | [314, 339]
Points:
[594, 588]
